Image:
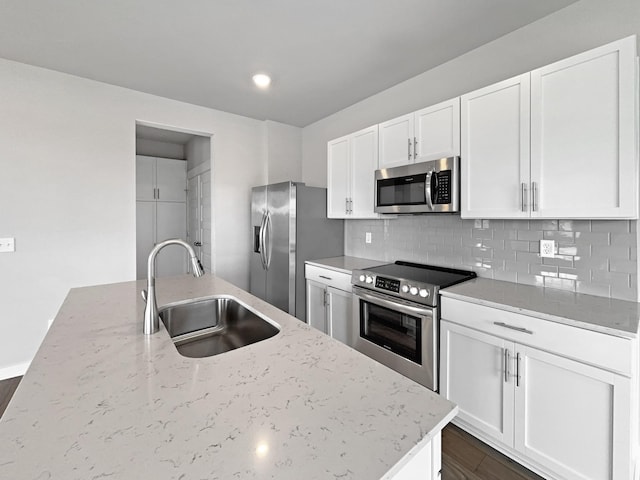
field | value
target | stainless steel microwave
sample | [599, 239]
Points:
[426, 187]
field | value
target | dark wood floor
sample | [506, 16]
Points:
[463, 456]
[7, 387]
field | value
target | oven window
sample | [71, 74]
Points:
[402, 191]
[395, 331]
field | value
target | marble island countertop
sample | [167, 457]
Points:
[605, 315]
[101, 400]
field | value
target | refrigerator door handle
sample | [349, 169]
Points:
[268, 239]
[261, 250]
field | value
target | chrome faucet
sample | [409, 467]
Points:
[151, 321]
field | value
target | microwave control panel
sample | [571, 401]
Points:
[441, 187]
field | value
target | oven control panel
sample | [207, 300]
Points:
[414, 291]
[388, 284]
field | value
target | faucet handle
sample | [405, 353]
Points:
[143, 293]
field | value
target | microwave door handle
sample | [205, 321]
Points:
[427, 189]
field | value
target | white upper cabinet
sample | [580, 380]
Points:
[430, 133]
[396, 142]
[558, 142]
[437, 131]
[583, 127]
[351, 164]
[162, 179]
[495, 150]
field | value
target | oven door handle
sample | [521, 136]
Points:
[392, 304]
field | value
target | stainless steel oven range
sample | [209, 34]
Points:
[396, 316]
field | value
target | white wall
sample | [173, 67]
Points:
[67, 191]
[154, 148]
[198, 151]
[576, 28]
[283, 145]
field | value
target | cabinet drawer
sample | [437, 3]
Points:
[598, 349]
[339, 280]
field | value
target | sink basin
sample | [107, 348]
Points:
[202, 328]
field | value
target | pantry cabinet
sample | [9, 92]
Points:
[162, 179]
[329, 302]
[161, 213]
[427, 134]
[351, 164]
[554, 397]
[557, 142]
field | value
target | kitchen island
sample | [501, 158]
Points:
[101, 400]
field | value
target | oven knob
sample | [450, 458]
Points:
[405, 288]
[369, 279]
[413, 290]
[361, 278]
[424, 293]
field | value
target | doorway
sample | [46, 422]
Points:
[173, 198]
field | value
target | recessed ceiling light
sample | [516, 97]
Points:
[261, 80]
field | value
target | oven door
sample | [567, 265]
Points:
[399, 334]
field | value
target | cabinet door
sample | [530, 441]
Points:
[495, 150]
[316, 312]
[571, 417]
[396, 142]
[583, 126]
[145, 235]
[171, 222]
[437, 131]
[475, 374]
[339, 315]
[364, 162]
[338, 177]
[145, 178]
[171, 180]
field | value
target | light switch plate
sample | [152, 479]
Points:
[547, 248]
[7, 245]
[367, 237]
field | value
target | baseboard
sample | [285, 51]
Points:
[14, 370]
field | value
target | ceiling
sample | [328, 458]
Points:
[323, 55]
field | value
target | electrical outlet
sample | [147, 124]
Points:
[547, 248]
[7, 244]
[367, 237]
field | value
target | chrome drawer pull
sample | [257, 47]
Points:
[322, 276]
[518, 329]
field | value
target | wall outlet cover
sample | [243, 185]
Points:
[7, 244]
[547, 248]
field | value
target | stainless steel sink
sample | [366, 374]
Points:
[202, 328]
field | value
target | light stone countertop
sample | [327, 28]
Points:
[101, 400]
[345, 264]
[600, 314]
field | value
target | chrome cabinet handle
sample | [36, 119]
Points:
[325, 277]
[523, 196]
[534, 196]
[511, 327]
[506, 365]
[517, 369]
[408, 148]
[415, 148]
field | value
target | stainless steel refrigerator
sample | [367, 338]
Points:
[289, 226]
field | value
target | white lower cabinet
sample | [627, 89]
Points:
[566, 418]
[329, 302]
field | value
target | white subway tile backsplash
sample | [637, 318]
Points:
[597, 257]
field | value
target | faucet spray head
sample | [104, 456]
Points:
[198, 269]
